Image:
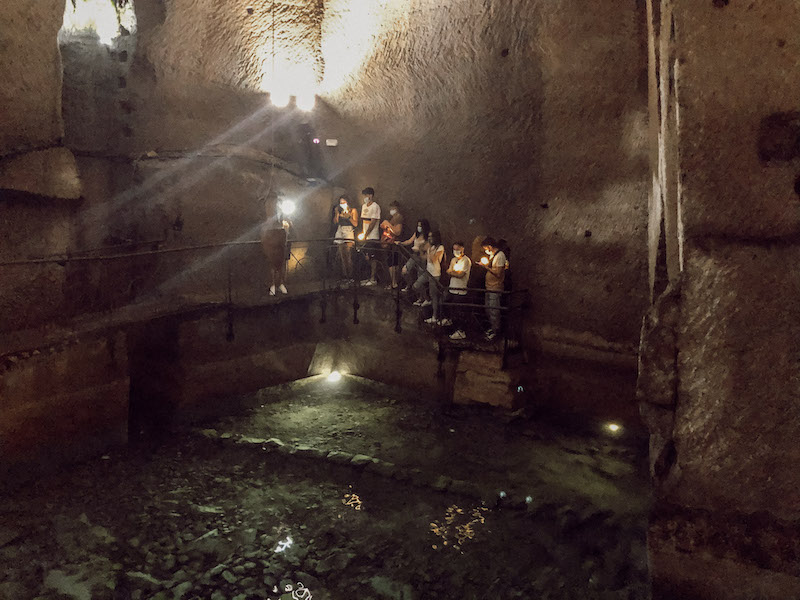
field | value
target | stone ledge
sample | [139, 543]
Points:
[511, 499]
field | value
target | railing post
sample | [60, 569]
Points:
[356, 306]
[398, 313]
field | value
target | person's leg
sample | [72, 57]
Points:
[348, 255]
[373, 267]
[420, 285]
[410, 273]
[340, 250]
[493, 312]
[433, 288]
[286, 250]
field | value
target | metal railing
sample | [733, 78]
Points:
[314, 262]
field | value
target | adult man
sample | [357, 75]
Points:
[459, 270]
[370, 231]
[495, 262]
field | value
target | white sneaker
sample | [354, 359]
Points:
[431, 321]
[371, 282]
[458, 335]
[419, 302]
[490, 335]
[272, 290]
[446, 322]
[426, 303]
[283, 289]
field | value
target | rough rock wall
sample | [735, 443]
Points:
[721, 382]
[515, 119]
[30, 70]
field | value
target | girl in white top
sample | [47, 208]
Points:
[417, 241]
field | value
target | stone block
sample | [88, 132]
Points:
[52, 172]
[66, 404]
[738, 414]
[480, 379]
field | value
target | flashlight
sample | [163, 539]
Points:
[287, 207]
[459, 267]
[485, 261]
[360, 236]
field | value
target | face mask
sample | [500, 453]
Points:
[366, 200]
[419, 229]
[392, 211]
[458, 252]
[343, 206]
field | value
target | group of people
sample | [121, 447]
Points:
[419, 261]
[423, 259]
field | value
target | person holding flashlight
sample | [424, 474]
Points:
[495, 263]
[345, 218]
[370, 231]
[459, 271]
[274, 236]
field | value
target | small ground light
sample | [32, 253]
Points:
[520, 389]
[316, 140]
[528, 499]
[502, 494]
[334, 376]
[613, 427]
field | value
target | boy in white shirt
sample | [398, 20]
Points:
[459, 270]
[370, 231]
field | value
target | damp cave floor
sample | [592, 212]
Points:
[187, 517]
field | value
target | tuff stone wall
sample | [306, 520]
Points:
[519, 119]
[719, 372]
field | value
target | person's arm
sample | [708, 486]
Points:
[336, 216]
[397, 230]
[354, 217]
[437, 254]
[372, 224]
[409, 241]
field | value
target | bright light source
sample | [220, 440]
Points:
[316, 140]
[284, 545]
[334, 376]
[332, 142]
[613, 427]
[520, 389]
[97, 17]
[287, 207]
[279, 99]
[305, 102]
[361, 236]
[502, 494]
[485, 260]
[528, 499]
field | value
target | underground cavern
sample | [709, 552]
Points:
[399, 299]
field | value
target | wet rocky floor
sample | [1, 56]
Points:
[355, 496]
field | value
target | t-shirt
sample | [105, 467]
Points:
[371, 211]
[435, 269]
[397, 219]
[458, 285]
[493, 282]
